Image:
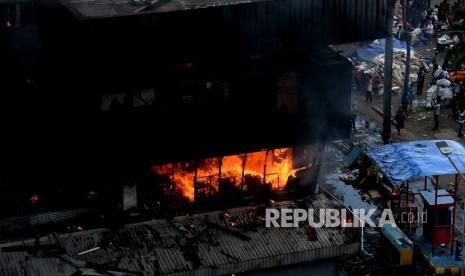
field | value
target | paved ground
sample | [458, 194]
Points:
[419, 124]
[420, 121]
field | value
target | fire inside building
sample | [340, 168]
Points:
[96, 91]
[211, 103]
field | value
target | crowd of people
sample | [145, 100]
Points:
[445, 92]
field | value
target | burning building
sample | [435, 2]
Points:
[99, 90]
[198, 102]
[232, 180]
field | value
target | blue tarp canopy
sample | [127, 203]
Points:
[408, 160]
[372, 50]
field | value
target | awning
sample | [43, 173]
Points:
[408, 160]
[375, 49]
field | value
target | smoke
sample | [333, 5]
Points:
[25, 47]
[325, 97]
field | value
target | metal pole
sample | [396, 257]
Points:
[244, 160]
[388, 57]
[264, 167]
[435, 222]
[456, 182]
[195, 182]
[463, 250]
[463, 231]
[446, 151]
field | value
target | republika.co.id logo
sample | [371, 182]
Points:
[287, 217]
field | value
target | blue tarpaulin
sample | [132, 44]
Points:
[408, 160]
[372, 50]
[352, 156]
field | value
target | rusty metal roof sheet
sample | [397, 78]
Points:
[211, 243]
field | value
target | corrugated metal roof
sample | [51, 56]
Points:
[206, 243]
[443, 197]
[397, 238]
[86, 9]
[43, 218]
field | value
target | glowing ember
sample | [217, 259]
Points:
[272, 166]
[34, 198]
[346, 222]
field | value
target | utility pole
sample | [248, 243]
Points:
[406, 36]
[386, 135]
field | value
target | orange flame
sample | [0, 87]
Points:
[273, 166]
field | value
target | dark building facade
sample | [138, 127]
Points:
[99, 88]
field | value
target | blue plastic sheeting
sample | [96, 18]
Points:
[408, 160]
[352, 156]
[372, 50]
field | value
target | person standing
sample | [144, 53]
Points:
[369, 89]
[395, 28]
[407, 100]
[445, 73]
[461, 121]
[399, 117]
[420, 81]
[353, 117]
[399, 32]
[410, 95]
[375, 86]
[356, 74]
[428, 29]
[436, 104]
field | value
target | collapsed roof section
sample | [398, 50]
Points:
[214, 243]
